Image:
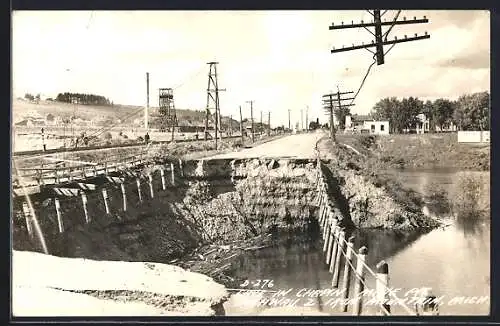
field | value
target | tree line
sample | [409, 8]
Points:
[85, 99]
[468, 112]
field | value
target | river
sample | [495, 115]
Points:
[454, 261]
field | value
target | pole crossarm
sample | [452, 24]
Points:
[385, 23]
[380, 37]
[334, 94]
[363, 46]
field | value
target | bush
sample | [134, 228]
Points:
[367, 141]
[469, 197]
[107, 135]
[437, 198]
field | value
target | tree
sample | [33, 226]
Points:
[387, 109]
[410, 108]
[340, 114]
[472, 111]
[313, 125]
[29, 97]
[442, 110]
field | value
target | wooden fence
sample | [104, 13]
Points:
[338, 249]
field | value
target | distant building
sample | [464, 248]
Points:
[366, 124]
[30, 122]
[447, 127]
[422, 124]
[189, 126]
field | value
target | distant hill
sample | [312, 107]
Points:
[105, 113]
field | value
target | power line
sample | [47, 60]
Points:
[364, 78]
[189, 78]
[394, 24]
[121, 118]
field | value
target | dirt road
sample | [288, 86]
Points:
[293, 146]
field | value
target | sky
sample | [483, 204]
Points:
[279, 59]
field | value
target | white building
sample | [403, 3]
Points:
[366, 124]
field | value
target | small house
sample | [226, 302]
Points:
[366, 124]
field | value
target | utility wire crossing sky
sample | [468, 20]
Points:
[279, 59]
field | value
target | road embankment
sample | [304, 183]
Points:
[370, 200]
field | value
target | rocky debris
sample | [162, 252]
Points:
[217, 261]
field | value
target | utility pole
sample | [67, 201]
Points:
[289, 125]
[301, 120]
[330, 106]
[251, 118]
[380, 38]
[261, 125]
[241, 127]
[146, 111]
[213, 100]
[307, 118]
[269, 123]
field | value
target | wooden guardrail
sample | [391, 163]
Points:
[338, 248]
[55, 175]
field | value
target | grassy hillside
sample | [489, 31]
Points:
[420, 151]
[124, 112]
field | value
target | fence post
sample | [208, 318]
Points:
[324, 217]
[331, 240]
[138, 181]
[326, 232]
[27, 217]
[318, 200]
[334, 249]
[172, 169]
[359, 281]
[150, 177]
[105, 196]
[320, 210]
[59, 216]
[162, 173]
[84, 203]
[382, 286]
[346, 283]
[122, 186]
[181, 168]
[336, 273]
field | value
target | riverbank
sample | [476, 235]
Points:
[427, 151]
[372, 200]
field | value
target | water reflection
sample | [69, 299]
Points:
[453, 261]
[383, 244]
